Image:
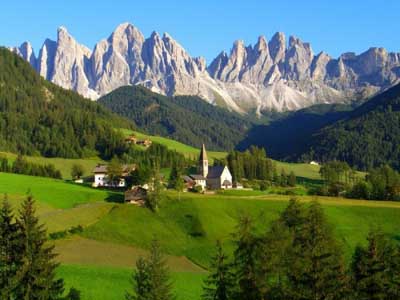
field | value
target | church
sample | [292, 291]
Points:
[213, 178]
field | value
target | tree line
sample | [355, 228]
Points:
[22, 166]
[253, 164]
[150, 161]
[27, 262]
[296, 258]
[381, 183]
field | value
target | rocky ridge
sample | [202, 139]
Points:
[271, 75]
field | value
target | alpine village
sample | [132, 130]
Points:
[133, 170]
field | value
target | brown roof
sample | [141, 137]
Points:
[203, 154]
[100, 169]
[197, 177]
[136, 194]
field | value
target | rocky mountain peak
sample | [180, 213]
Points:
[262, 44]
[269, 75]
[277, 46]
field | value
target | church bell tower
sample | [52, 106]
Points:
[203, 162]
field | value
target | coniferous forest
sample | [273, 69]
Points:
[40, 118]
[187, 119]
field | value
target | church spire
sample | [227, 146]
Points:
[203, 162]
[203, 153]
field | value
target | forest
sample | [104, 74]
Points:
[40, 118]
[187, 119]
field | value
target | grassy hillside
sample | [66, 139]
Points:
[62, 164]
[218, 215]
[99, 260]
[111, 283]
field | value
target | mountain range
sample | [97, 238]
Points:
[274, 75]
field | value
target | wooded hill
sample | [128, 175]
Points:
[287, 136]
[187, 119]
[38, 117]
[368, 137]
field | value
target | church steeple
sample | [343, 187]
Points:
[203, 162]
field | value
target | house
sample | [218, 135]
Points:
[146, 143]
[216, 177]
[137, 195]
[199, 180]
[101, 176]
[189, 182]
[131, 139]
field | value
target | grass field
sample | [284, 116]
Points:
[111, 283]
[52, 192]
[62, 164]
[99, 261]
[219, 214]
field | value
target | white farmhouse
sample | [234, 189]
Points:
[101, 176]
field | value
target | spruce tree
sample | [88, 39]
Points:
[315, 267]
[220, 284]
[10, 251]
[173, 176]
[37, 274]
[151, 280]
[246, 261]
[275, 248]
[140, 281]
[375, 269]
[292, 179]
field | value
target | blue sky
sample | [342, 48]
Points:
[209, 26]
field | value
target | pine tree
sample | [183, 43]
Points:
[294, 215]
[220, 284]
[10, 250]
[140, 282]
[151, 280]
[114, 171]
[315, 261]
[292, 179]
[77, 171]
[245, 261]
[179, 186]
[375, 269]
[37, 275]
[154, 197]
[173, 176]
[275, 248]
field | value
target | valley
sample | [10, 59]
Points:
[135, 170]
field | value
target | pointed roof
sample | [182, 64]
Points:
[203, 154]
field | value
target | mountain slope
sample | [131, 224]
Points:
[38, 117]
[271, 75]
[187, 119]
[288, 136]
[368, 137]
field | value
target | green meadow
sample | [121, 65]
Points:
[99, 260]
[62, 164]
